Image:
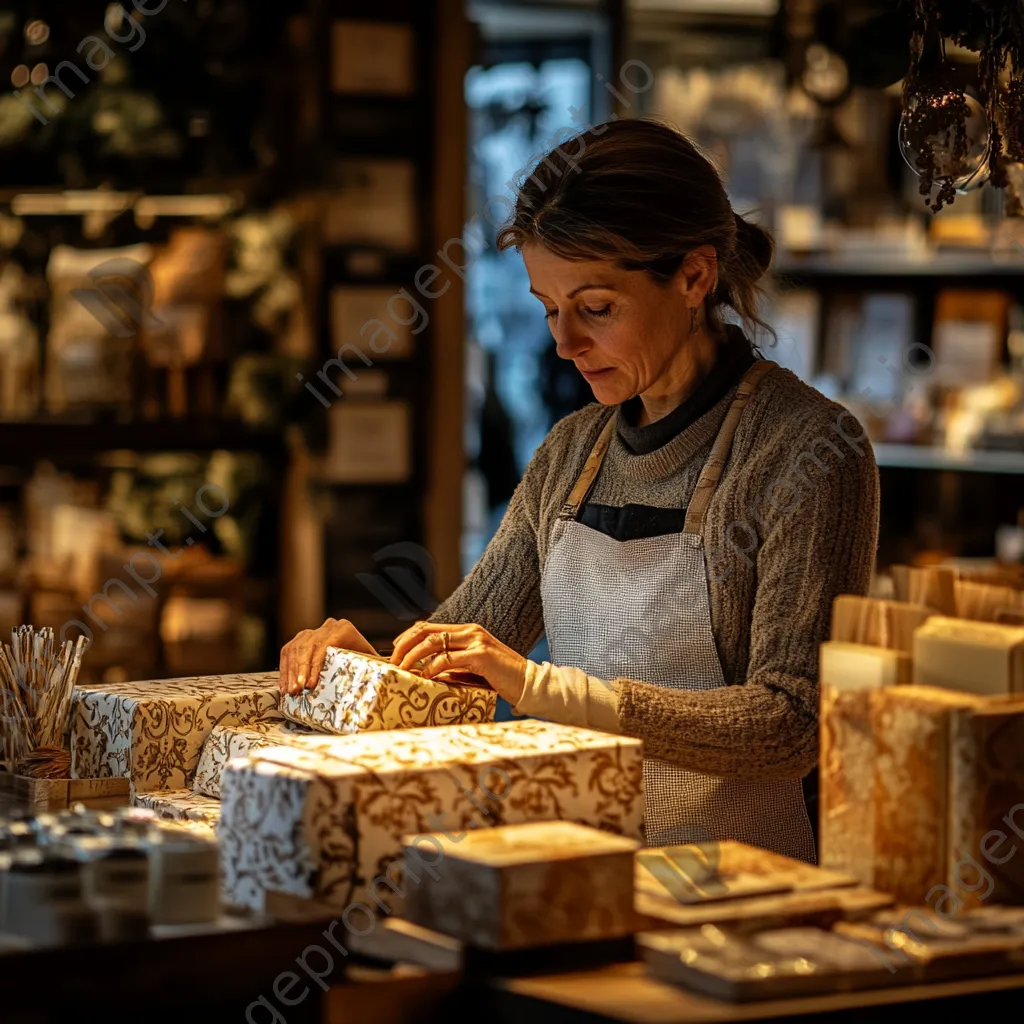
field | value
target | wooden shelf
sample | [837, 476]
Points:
[27, 439]
[883, 264]
[911, 456]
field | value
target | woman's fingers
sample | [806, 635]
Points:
[438, 663]
[430, 644]
[291, 659]
[285, 675]
[428, 633]
[315, 664]
[405, 642]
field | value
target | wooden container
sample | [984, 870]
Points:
[42, 795]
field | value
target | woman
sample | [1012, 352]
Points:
[679, 542]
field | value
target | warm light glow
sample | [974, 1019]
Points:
[37, 32]
[40, 73]
[19, 76]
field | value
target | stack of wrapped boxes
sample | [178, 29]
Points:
[922, 750]
[313, 794]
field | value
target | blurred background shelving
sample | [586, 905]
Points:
[191, 266]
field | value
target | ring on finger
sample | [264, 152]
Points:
[445, 644]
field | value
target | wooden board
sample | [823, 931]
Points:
[932, 586]
[398, 996]
[627, 992]
[877, 622]
[42, 795]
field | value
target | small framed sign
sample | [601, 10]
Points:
[378, 320]
[372, 58]
[370, 442]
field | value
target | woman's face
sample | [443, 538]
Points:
[622, 329]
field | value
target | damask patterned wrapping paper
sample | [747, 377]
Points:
[356, 693]
[180, 805]
[326, 820]
[226, 742]
[152, 732]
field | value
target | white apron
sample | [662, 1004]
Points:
[639, 609]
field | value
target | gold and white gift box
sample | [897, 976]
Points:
[152, 732]
[357, 693]
[179, 805]
[326, 820]
[226, 742]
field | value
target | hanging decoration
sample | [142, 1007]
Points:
[957, 135]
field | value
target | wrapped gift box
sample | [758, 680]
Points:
[356, 693]
[227, 741]
[520, 886]
[986, 786]
[152, 732]
[326, 820]
[180, 805]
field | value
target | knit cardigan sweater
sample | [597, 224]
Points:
[793, 523]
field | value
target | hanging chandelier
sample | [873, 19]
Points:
[957, 135]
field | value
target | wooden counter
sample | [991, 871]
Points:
[624, 992]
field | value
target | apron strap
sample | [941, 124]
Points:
[585, 481]
[710, 475]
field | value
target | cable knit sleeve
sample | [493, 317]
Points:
[766, 728]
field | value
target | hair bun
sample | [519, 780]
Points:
[754, 243]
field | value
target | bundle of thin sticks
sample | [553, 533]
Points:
[37, 676]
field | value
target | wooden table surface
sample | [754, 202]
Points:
[625, 992]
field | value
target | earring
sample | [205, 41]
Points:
[693, 319]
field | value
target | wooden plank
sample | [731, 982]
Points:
[398, 996]
[626, 992]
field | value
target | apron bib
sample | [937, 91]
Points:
[640, 609]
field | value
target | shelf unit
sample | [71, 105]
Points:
[931, 497]
[362, 522]
[912, 456]
[32, 439]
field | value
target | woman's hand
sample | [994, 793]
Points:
[302, 657]
[470, 648]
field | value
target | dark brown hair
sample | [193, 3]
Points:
[642, 194]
